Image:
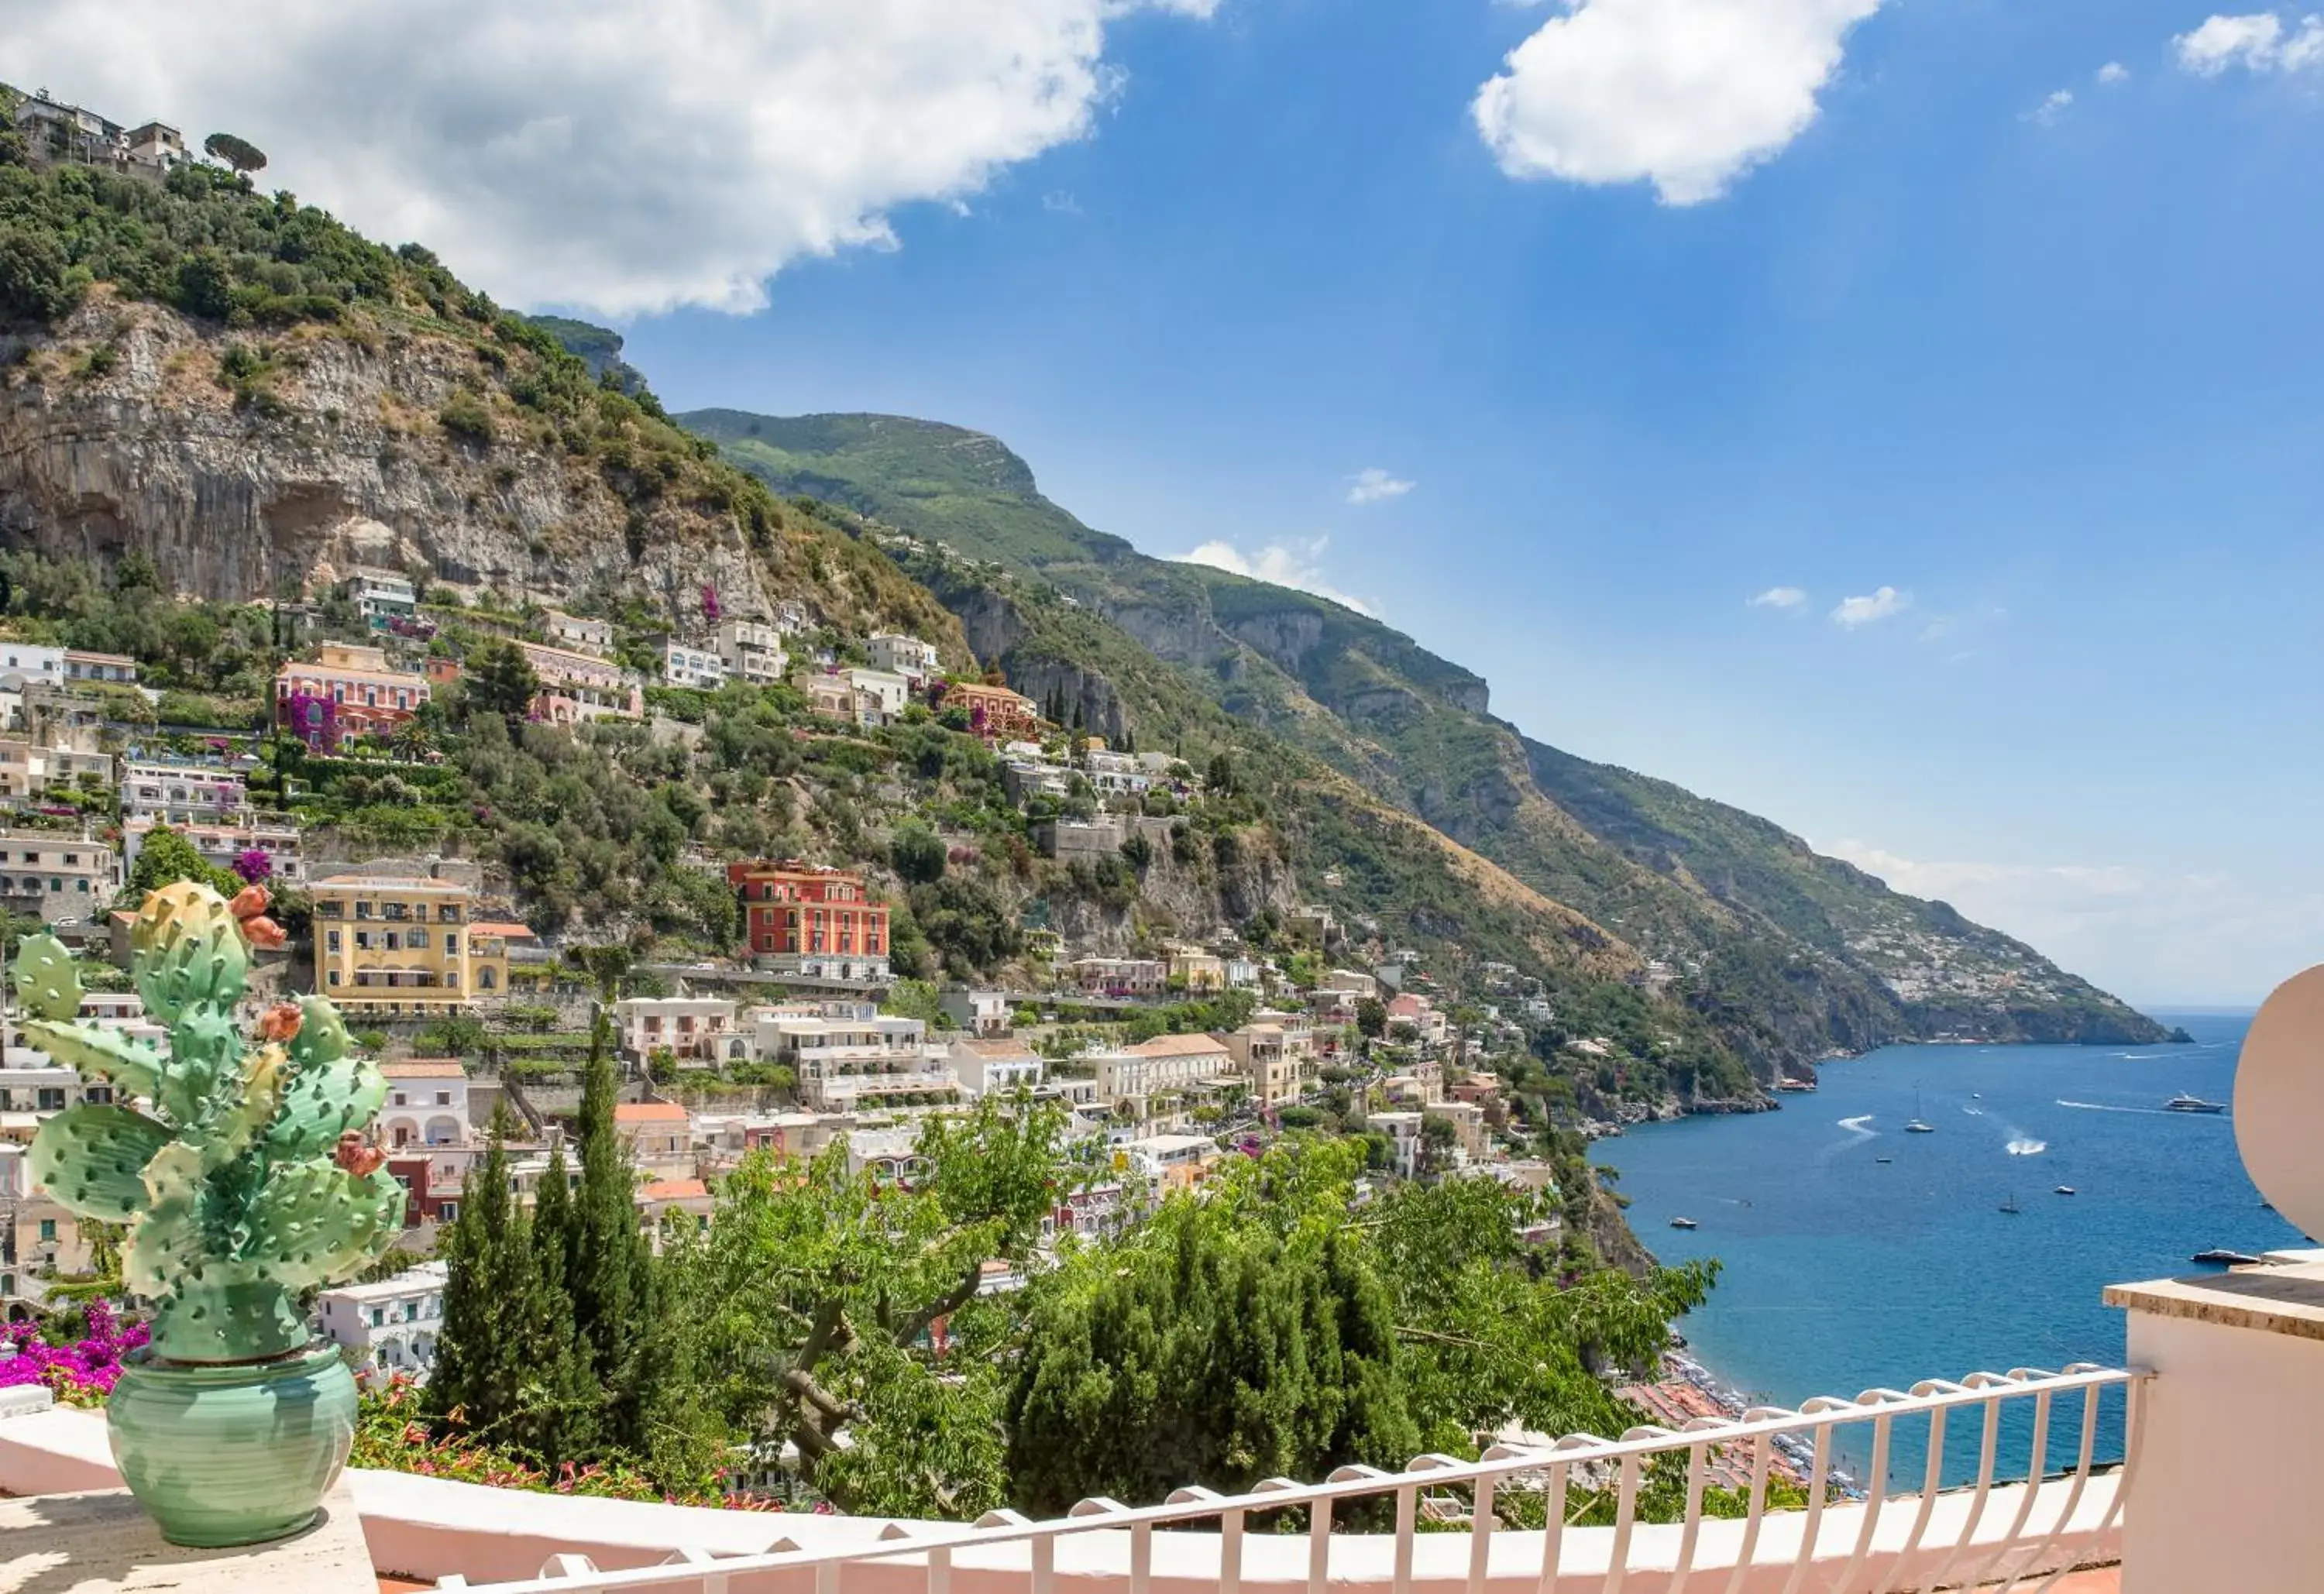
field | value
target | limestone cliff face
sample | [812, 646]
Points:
[334, 458]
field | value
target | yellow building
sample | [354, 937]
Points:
[385, 946]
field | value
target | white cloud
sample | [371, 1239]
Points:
[2047, 113]
[605, 153]
[1872, 607]
[1779, 597]
[2114, 72]
[1295, 564]
[1687, 93]
[2258, 42]
[1371, 484]
[1061, 202]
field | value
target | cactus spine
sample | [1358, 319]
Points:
[225, 1167]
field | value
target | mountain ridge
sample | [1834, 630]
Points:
[1690, 881]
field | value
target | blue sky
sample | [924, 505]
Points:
[2046, 367]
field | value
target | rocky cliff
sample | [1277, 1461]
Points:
[250, 464]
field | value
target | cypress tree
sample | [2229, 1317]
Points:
[481, 1352]
[609, 1256]
[566, 1425]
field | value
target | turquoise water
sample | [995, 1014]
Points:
[1844, 1273]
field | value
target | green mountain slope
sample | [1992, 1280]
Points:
[1794, 955]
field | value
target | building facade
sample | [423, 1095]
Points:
[343, 694]
[701, 669]
[56, 875]
[385, 945]
[182, 794]
[427, 1103]
[902, 655]
[575, 688]
[753, 652]
[695, 1029]
[814, 919]
[994, 713]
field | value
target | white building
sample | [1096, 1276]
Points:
[844, 1063]
[699, 1031]
[753, 651]
[391, 1326]
[699, 668]
[986, 1067]
[1116, 774]
[879, 693]
[118, 668]
[1167, 1062]
[183, 794]
[427, 1103]
[23, 665]
[1402, 1131]
[381, 596]
[572, 630]
[980, 1012]
[905, 656]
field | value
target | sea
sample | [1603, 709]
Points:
[1856, 1256]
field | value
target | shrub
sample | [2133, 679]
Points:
[465, 417]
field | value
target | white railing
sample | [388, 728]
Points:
[1856, 1539]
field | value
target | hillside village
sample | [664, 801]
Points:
[791, 1028]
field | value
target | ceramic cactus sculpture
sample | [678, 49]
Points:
[240, 1166]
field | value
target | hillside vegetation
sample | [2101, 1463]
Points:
[1792, 955]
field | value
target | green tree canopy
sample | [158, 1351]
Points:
[166, 857]
[240, 153]
[501, 680]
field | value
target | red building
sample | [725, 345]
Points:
[795, 910]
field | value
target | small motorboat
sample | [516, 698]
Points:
[2067, 1189]
[1883, 1159]
[2184, 1102]
[1917, 1128]
[1685, 1223]
[2221, 1257]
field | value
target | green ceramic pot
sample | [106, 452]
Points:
[233, 1454]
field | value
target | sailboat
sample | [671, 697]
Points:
[1919, 1125]
[2011, 1206]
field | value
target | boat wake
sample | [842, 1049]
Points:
[1854, 1126]
[2103, 1107]
[2025, 1146]
[1974, 1112]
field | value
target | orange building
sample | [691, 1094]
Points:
[812, 918]
[994, 713]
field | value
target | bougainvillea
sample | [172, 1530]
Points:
[392, 1435]
[254, 866]
[81, 1373]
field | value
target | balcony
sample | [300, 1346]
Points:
[2063, 1506]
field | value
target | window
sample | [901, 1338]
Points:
[331, 940]
[52, 1099]
[443, 1098]
[48, 1231]
[417, 940]
[394, 942]
[379, 1317]
[398, 1099]
[449, 913]
[335, 976]
[364, 907]
[363, 940]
